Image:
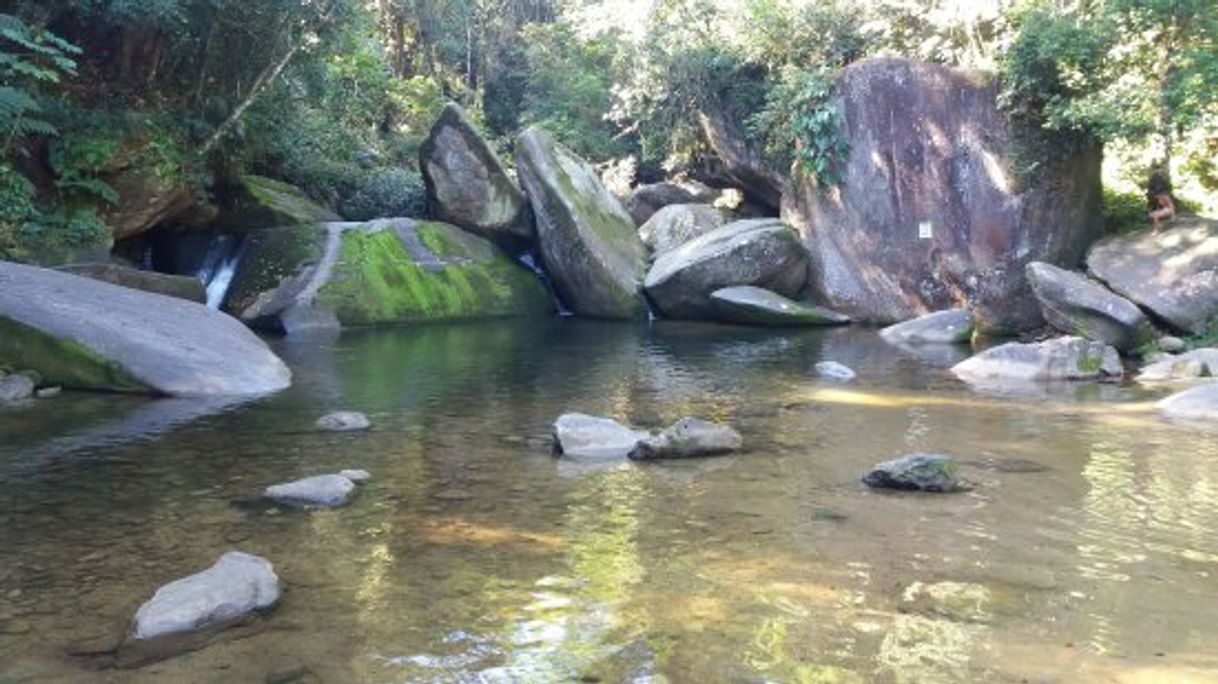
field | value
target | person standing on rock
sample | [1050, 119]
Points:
[1163, 209]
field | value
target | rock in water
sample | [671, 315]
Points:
[648, 200]
[954, 326]
[930, 214]
[764, 253]
[343, 421]
[1193, 365]
[318, 491]
[1061, 358]
[467, 185]
[588, 242]
[748, 305]
[1198, 403]
[1174, 274]
[15, 388]
[356, 475]
[677, 224]
[237, 585]
[688, 438]
[1076, 305]
[834, 371]
[580, 435]
[917, 471]
[182, 287]
[85, 334]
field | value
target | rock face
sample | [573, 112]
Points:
[389, 270]
[1198, 403]
[677, 224]
[688, 438]
[86, 334]
[343, 421]
[579, 435]
[144, 197]
[1174, 274]
[1061, 358]
[1076, 305]
[748, 305]
[318, 491]
[918, 471]
[256, 202]
[182, 287]
[237, 585]
[765, 253]
[1193, 365]
[15, 388]
[588, 242]
[467, 185]
[834, 371]
[930, 152]
[954, 326]
[646, 200]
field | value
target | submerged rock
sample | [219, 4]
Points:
[588, 242]
[86, 334]
[182, 287]
[954, 326]
[688, 438]
[1061, 358]
[677, 224]
[1173, 274]
[1076, 305]
[1193, 365]
[834, 371]
[1198, 403]
[343, 421]
[467, 185]
[917, 471]
[580, 435]
[765, 253]
[748, 305]
[237, 585]
[318, 491]
[15, 388]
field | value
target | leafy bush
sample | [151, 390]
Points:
[29, 57]
[1123, 212]
[801, 123]
[387, 194]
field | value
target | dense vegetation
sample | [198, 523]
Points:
[336, 95]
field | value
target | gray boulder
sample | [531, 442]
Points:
[1076, 305]
[646, 200]
[86, 334]
[1198, 403]
[467, 185]
[343, 421]
[15, 388]
[1192, 365]
[318, 491]
[182, 287]
[237, 585]
[764, 253]
[1173, 274]
[834, 371]
[954, 326]
[748, 305]
[677, 224]
[688, 438]
[1171, 344]
[579, 435]
[1061, 358]
[917, 471]
[589, 244]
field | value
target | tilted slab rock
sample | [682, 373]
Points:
[1076, 305]
[748, 305]
[954, 326]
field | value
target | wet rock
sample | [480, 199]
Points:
[589, 244]
[467, 185]
[835, 371]
[748, 305]
[1193, 365]
[917, 471]
[48, 392]
[318, 491]
[648, 200]
[1171, 344]
[343, 421]
[182, 287]
[954, 326]
[1061, 358]
[1076, 305]
[15, 388]
[688, 438]
[765, 253]
[1173, 274]
[581, 435]
[236, 585]
[677, 224]
[1198, 403]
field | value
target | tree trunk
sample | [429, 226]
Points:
[268, 76]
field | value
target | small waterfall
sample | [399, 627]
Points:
[530, 262]
[219, 265]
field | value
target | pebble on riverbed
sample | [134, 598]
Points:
[916, 472]
[318, 491]
[343, 421]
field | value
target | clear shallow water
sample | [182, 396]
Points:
[1088, 551]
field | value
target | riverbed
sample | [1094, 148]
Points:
[1087, 550]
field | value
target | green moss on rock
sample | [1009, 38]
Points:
[271, 258]
[62, 362]
[257, 202]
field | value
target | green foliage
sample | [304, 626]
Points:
[801, 123]
[1123, 212]
[1208, 337]
[389, 193]
[29, 58]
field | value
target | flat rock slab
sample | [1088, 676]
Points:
[582, 436]
[916, 472]
[835, 371]
[237, 585]
[1062, 358]
[1199, 403]
[86, 334]
[953, 326]
[318, 491]
[343, 421]
[748, 305]
[1077, 305]
[688, 438]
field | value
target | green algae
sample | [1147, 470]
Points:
[62, 362]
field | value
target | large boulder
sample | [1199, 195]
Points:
[1199, 403]
[254, 202]
[646, 200]
[1076, 305]
[384, 271]
[765, 253]
[744, 160]
[1173, 274]
[748, 305]
[954, 326]
[930, 214]
[1061, 358]
[83, 333]
[676, 224]
[237, 585]
[182, 287]
[467, 185]
[579, 435]
[145, 195]
[588, 242]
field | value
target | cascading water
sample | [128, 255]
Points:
[219, 265]
[530, 262]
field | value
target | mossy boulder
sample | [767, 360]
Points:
[1077, 305]
[748, 305]
[254, 202]
[276, 266]
[587, 240]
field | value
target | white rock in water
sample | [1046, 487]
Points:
[1060, 358]
[1199, 404]
[356, 476]
[834, 371]
[238, 584]
[688, 438]
[319, 491]
[581, 435]
[343, 421]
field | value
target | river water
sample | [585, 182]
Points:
[1087, 551]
